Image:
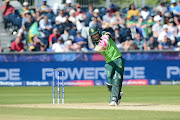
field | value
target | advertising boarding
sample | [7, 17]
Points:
[88, 73]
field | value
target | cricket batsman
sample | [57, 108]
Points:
[114, 62]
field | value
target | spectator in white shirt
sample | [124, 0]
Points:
[56, 8]
[68, 46]
[60, 18]
[80, 22]
[157, 28]
[172, 30]
[72, 17]
[145, 13]
[165, 33]
[59, 45]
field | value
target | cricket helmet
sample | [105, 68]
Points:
[93, 30]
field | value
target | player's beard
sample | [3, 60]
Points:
[96, 38]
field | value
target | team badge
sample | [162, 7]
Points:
[92, 30]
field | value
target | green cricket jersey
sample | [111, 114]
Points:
[112, 52]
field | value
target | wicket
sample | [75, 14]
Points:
[58, 71]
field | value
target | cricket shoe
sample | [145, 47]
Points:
[119, 100]
[113, 103]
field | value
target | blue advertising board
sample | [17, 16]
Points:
[86, 73]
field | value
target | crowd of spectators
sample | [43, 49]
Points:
[66, 29]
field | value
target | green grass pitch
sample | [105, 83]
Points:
[97, 94]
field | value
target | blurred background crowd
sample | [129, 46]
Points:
[65, 29]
